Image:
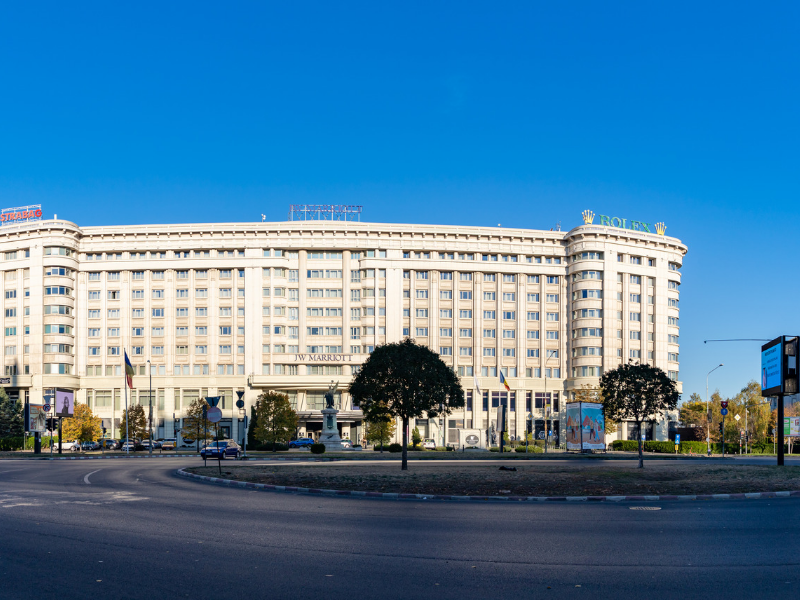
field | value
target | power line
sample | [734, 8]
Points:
[737, 340]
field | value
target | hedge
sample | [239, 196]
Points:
[276, 447]
[395, 448]
[317, 448]
[497, 449]
[531, 449]
[694, 447]
[11, 443]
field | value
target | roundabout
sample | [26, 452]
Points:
[134, 528]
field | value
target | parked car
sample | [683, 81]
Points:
[71, 446]
[222, 449]
[108, 444]
[156, 443]
[146, 444]
[301, 443]
[130, 445]
[347, 444]
[429, 444]
[168, 444]
[86, 446]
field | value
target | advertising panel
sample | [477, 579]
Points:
[585, 426]
[36, 419]
[573, 426]
[771, 368]
[65, 403]
[791, 426]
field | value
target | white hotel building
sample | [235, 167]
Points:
[223, 307]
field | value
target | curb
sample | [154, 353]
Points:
[326, 459]
[396, 496]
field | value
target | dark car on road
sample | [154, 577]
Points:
[222, 449]
[301, 443]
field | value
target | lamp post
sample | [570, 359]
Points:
[708, 414]
[547, 403]
[150, 398]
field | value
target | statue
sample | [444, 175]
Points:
[330, 431]
[329, 394]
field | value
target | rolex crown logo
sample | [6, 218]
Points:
[588, 217]
[660, 228]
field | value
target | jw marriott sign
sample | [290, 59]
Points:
[324, 357]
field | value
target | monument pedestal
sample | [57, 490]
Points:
[330, 432]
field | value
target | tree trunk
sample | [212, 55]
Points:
[404, 465]
[641, 448]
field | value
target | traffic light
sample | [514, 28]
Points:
[720, 427]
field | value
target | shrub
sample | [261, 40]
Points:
[441, 449]
[395, 448]
[497, 449]
[317, 448]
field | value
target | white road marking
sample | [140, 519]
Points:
[86, 479]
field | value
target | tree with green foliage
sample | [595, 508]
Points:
[693, 414]
[195, 427]
[380, 425]
[411, 380]
[277, 420]
[136, 423]
[82, 425]
[416, 438]
[12, 416]
[637, 392]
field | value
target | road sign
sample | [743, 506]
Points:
[214, 414]
[724, 404]
[642, 437]
[240, 404]
[737, 417]
[724, 411]
[677, 438]
[213, 400]
[46, 408]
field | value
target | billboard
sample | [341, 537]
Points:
[65, 403]
[472, 438]
[35, 418]
[585, 426]
[791, 426]
[771, 367]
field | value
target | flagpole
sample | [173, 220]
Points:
[127, 416]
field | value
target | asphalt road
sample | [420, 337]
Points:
[118, 529]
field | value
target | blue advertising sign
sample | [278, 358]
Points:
[771, 368]
[677, 438]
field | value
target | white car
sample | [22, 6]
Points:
[346, 444]
[429, 444]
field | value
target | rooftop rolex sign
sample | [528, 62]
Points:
[606, 221]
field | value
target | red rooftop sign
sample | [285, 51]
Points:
[21, 213]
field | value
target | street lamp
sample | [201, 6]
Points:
[547, 403]
[708, 414]
[150, 398]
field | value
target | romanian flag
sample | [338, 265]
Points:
[504, 382]
[129, 371]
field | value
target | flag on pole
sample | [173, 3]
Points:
[504, 382]
[477, 386]
[128, 371]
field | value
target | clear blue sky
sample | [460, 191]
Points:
[459, 113]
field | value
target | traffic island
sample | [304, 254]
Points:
[458, 481]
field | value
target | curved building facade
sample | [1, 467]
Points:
[227, 307]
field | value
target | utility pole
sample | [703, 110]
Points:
[150, 395]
